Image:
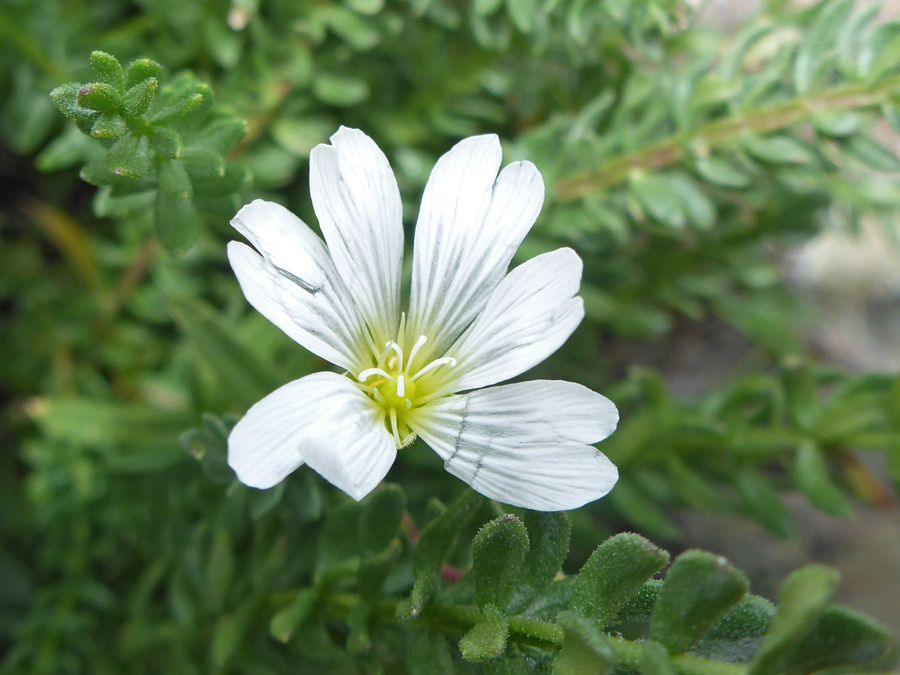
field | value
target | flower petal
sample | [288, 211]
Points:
[318, 320]
[323, 420]
[470, 225]
[525, 444]
[357, 202]
[528, 317]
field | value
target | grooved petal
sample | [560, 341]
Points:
[528, 317]
[470, 225]
[322, 420]
[355, 196]
[526, 444]
[317, 319]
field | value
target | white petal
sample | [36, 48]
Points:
[323, 420]
[355, 196]
[318, 320]
[526, 444]
[528, 317]
[470, 225]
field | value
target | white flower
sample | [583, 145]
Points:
[470, 325]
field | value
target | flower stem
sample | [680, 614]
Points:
[672, 149]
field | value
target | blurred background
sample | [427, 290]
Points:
[727, 170]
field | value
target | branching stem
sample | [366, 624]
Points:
[672, 149]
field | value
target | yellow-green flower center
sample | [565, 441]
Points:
[400, 383]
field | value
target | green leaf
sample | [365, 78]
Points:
[719, 171]
[698, 589]
[220, 568]
[209, 446]
[238, 369]
[841, 637]
[873, 155]
[435, 542]
[660, 200]
[142, 69]
[65, 97]
[548, 536]
[819, 41]
[429, 653]
[138, 98]
[487, 638]
[177, 109]
[838, 124]
[615, 571]
[802, 599]
[287, 620]
[173, 178]
[357, 32]
[220, 135]
[814, 479]
[109, 126]
[204, 166]
[763, 503]
[585, 648]
[640, 606]
[177, 222]
[339, 90]
[497, 554]
[100, 97]
[523, 13]
[166, 142]
[641, 511]
[129, 157]
[486, 7]
[108, 69]
[382, 515]
[697, 206]
[375, 568]
[655, 660]
[750, 618]
[777, 149]
[369, 7]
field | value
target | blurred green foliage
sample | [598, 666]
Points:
[676, 160]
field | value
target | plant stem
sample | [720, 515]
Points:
[672, 149]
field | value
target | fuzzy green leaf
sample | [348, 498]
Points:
[429, 653]
[548, 536]
[138, 98]
[173, 178]
[129, 157]
[802, 599]
[166, 142]
[615, 571]
[109, 126]
[497, 554]
[382, 514]
[764, 504]
[108, 69]
[287, 620]
[814, 479]
[487, 638]
[697, 591]
[585, 648]
[140, 70]
[100, 97]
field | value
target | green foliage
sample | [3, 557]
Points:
[679, 161]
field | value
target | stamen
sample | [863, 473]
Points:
[415, 350]
[401, 388]
[369, 372]
[398, 352]
[394, 430]
[437, 363]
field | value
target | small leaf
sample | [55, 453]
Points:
[429, 653]
[548, 536]
[140, 70]
[721, 172]
[659, 199]
[841, 637]
[286, 621]
[873, 155]
[108, 69]
[203, 166]
[698, 589]
[615, 571]
[220, 135]
[644, 513]
[339, 90]
[166, 142]
[750, 618]
[813, 478]
[96, 174]
[585, 648]
[382, 513]
[129, 157]
[177, 109]
[497, 554]
[435, 542]
[802, 599]
[819, 40]
[138, 98]
[655, 660]
[109, 126]
[487, 638]
[177, 223]
[173, 178]
[777, 149]
[764, 504]
[523, 13]
[100, 97]
[375, 568]
[65, 97]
